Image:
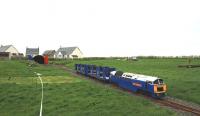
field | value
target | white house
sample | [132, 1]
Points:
[9, 51]
[68, 52]
[9, 48]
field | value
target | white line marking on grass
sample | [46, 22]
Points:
[38, 74]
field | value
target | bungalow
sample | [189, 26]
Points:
[9, 51]
[50, 53]
[68, 52]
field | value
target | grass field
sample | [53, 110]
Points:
[64, 94]
[183, 83]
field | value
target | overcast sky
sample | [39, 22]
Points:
[103, 27]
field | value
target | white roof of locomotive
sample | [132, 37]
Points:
[137, 76]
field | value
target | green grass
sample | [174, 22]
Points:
[183, 83]
[64, 95]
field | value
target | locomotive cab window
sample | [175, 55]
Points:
[158, 81]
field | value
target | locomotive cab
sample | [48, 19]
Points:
[159, 88]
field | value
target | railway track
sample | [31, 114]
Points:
[178, 106]
[170, 103]
[164, 102]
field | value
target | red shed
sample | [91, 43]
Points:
[46, 59]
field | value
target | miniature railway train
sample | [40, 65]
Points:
[154, 86]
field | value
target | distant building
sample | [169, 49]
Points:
[50, 53]
[68, 52]
[9, 51]
[134, 58]
[32, 52]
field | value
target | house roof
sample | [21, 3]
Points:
[4, 48]
[66, 50]
[31, 51]
[49, 52]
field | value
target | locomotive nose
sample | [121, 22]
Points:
[162, 88]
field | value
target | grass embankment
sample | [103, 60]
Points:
[64, 95]
[183, 83]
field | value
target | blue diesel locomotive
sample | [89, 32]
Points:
[130, 81]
